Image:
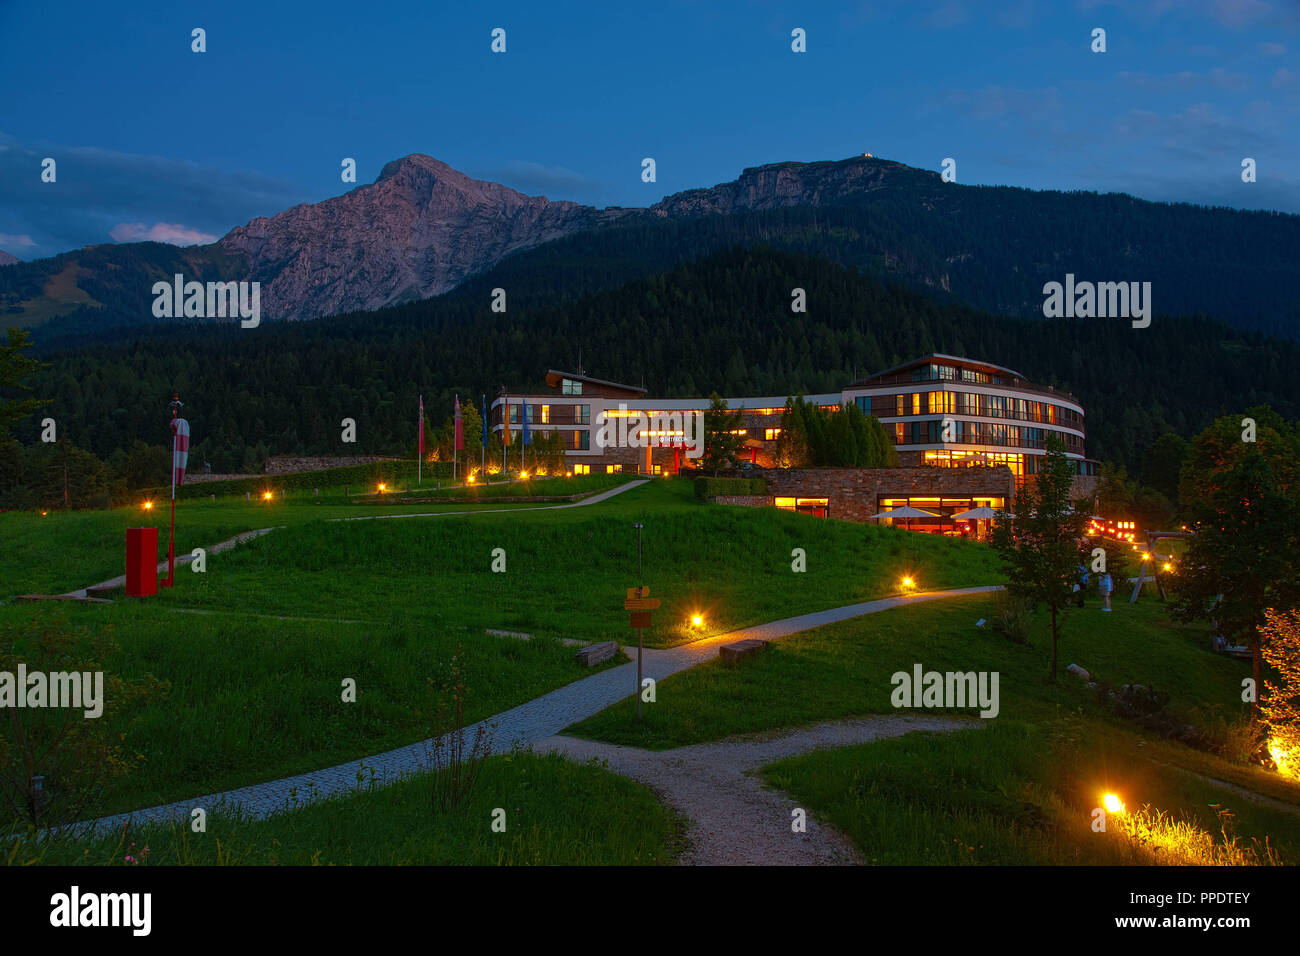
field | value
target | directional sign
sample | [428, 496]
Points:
[640, 618]
[638, 599]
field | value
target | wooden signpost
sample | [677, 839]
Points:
[640, 603]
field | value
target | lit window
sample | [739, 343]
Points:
[771, 434]
[570, 387]
[546, 414]
[582, 469]
[611, 469]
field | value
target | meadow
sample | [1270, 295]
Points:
[1017, 789]
[254, 649]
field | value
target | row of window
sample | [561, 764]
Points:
[968, 403]
[978, 433]
[551, 415]
[949, 373]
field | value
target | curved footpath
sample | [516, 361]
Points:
[734, 819]
[525, 725]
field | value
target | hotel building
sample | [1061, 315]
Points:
[943, 412]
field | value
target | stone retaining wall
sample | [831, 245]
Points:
[289, 464]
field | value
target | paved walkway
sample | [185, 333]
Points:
[524, 725]
[120, 580]
[734, 818]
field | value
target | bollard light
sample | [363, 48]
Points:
[1112, 803]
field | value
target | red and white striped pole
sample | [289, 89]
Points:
[171, 536]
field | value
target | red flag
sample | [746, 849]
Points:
[460, 428]
[421, 427]
[505, 432]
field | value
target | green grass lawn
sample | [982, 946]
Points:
[252, 699]
[1020, 793]
[557, 813]
[567, 571]
[59, 551]
[1015, 789]
[846, 668]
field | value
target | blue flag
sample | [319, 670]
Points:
[527, 436]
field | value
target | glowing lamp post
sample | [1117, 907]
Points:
[1112, 803]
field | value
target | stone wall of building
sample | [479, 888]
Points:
[852, 493]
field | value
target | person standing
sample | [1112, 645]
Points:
[1105, 586]
[1081, 586]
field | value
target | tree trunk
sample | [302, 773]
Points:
[1053, 674]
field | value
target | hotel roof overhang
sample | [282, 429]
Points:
[554, 377]
[940, 357]
[742, 404]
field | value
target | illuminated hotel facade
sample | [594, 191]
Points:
[954, 412]
[940, 410]
[967, 434]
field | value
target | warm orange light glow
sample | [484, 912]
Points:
[523, 476]
[382, 487]
[907, 582]
[266, 496]
[1112, 803]
[469, 480]
[1168, 566]
[1145, 556]
[44, 513]
[148, 506]
[697, 620]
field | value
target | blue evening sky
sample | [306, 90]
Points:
[154, 141]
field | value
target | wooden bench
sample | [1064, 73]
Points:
[593, 654]
[734, 653]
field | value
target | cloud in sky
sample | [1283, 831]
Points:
[11, 241]
[102, 195]
[554, 182]
[1217, 78]
[175, 233]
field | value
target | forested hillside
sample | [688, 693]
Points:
[722, 323]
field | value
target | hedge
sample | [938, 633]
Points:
[709, 488]
[361, 478]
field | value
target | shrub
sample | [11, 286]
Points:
[1011, 617]
[708, 488]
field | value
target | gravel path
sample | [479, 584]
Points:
[524, 725]
[734, 818]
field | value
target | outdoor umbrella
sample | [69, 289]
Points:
[906, 511]
[982, 513]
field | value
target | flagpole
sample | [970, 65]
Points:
[419, 455]
[483, 410]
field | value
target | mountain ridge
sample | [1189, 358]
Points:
[423, 228]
